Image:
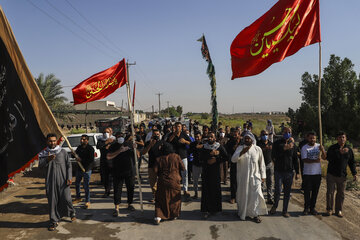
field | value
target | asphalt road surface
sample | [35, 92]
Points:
[23, 215]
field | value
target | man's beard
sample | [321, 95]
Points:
[248, 143]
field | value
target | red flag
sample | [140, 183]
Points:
[101, 84]
[133, 100]
[288, 26]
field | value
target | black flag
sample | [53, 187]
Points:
[25, 118]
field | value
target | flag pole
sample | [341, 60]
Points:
[319, 97]
[133, 132]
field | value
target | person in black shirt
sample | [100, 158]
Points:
[85, 154]
[266, 145]
[153, 147]
[284, 154]
[121, 154]
[179, 140]
[230, 147]
[212, 154]
[104, 144]
[339, 156]
[195, 148]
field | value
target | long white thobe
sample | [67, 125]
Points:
[250, 170]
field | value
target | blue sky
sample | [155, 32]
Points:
[161, 37]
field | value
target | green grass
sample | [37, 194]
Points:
[259, 120]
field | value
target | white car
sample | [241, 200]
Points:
[74, 140]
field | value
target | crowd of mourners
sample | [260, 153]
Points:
[177, 155]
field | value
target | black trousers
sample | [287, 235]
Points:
[105, 174]
[311, 190]
[233, 180]
[118, 184]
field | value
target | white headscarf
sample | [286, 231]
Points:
[250, 135]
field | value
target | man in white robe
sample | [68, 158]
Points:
[251, 172]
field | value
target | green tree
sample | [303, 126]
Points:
[179, 109]
[52, 92]
[340, 100]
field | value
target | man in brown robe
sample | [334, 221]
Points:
[168, 195]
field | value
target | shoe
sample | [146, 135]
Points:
[339, 214]
[87, 205]
[195, 196]
[306, 211]
[270, 202]
[116, 213]
[257, 219]
[53, 226]
[76, 200]
[328, 213]
[314, 212]
[272, 210]
[131, 207]
[157, 221]
[186, 194]
[152, 200]
[232, 201]
[73, 218]
[286, 214]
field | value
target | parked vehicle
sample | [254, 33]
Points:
[75, 142]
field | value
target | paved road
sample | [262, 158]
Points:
[26, 218]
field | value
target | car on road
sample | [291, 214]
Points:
[74, 140]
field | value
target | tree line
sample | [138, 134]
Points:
[340, 101]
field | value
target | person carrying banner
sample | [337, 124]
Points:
[121, 153]
[57, 181]
[104, 144]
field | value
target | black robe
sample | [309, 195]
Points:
[211, 185]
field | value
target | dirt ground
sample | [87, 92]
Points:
[348, 226]
[20, 203]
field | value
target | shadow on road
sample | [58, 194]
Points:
[25, 208]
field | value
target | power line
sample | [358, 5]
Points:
[76, 24]
[68, 29]
[98, 30]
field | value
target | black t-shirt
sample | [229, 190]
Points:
[180, 148]
[123, 164]
[338, 162]
[86, 155]
[266, 151]
[196, 154]
[154, 153]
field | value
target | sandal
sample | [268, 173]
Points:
[52, 226]
[116, 213]
[257, 219]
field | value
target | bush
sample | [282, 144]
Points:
[204, 115]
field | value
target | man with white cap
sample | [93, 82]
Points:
[251, 172]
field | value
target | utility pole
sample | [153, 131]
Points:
[122, 105]
[159, 94]
[152, 109]
[168, 108]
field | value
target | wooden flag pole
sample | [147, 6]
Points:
[133, 133]
[319, 97]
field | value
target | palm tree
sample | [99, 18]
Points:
[51, 90]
